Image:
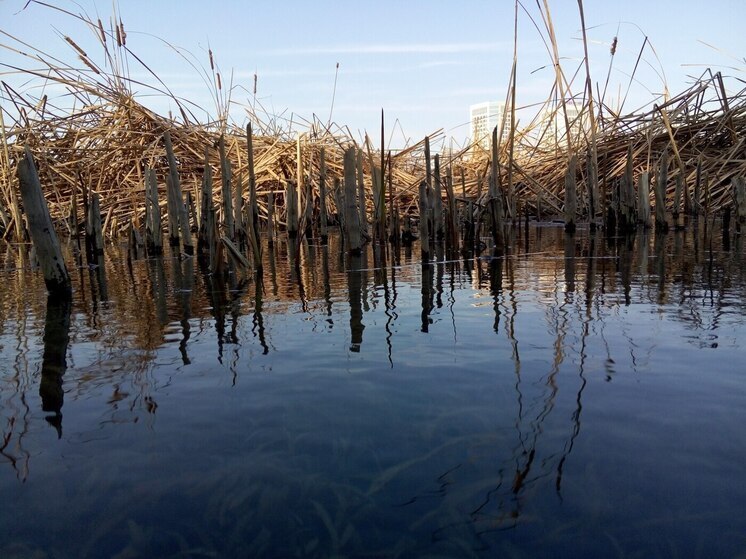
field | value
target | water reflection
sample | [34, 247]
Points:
[355, 298]
[54, 360]
[524, 388]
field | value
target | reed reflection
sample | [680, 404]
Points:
[184, 286]
[54, 361]
[426, 291]
[496, 287]
[257, 321]
[569, 248]
[355, 293]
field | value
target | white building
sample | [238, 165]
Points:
[484, 117]
[555, 128]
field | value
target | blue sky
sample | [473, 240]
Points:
[423, 62]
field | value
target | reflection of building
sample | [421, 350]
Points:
[484, 117]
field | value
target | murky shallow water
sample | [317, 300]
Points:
[576, 399]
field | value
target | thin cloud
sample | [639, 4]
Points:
[392, 48]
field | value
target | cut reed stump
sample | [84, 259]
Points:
[175, 190]
[643, 203]
[352, 216]
[227, 191]
[592, 186]
[362, 217]
[94, 230]
[437, 205]
[739, 201]
[323, 212]
[424, 225]
[271, 234]
[660, 194]
[205, 204]
[452, 233]
[495, 200]
[627, 218]
[153, 225]
[42, 232]
[252, 225]
[571, 198]
[291, 209]
[677, 200]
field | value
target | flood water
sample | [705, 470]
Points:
[577, 398]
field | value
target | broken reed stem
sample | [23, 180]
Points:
[174, 189]
[43, 236]
[660, 194]
[571, 201]
[323, 216]
[253, 210]
[153, 225]
[643, 205]
[205, 204]
[352, 215]
[226, 176]
[424, 225]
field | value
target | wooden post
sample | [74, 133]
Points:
[42, 232]
[226, 176]
[424, 225]
[291, 209]
[643, 194]
[153, 226]
[571, 200]
[660, 194]
[352, 214]
[323, 212]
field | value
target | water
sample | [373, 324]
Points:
[575, 399]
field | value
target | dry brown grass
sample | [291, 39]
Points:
[104, 144]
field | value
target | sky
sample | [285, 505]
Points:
[424, 63]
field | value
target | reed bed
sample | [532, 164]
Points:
[104, 145]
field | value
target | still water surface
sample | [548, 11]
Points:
[577, 398]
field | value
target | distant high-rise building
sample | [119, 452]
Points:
[555, 129]
[484, 117]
